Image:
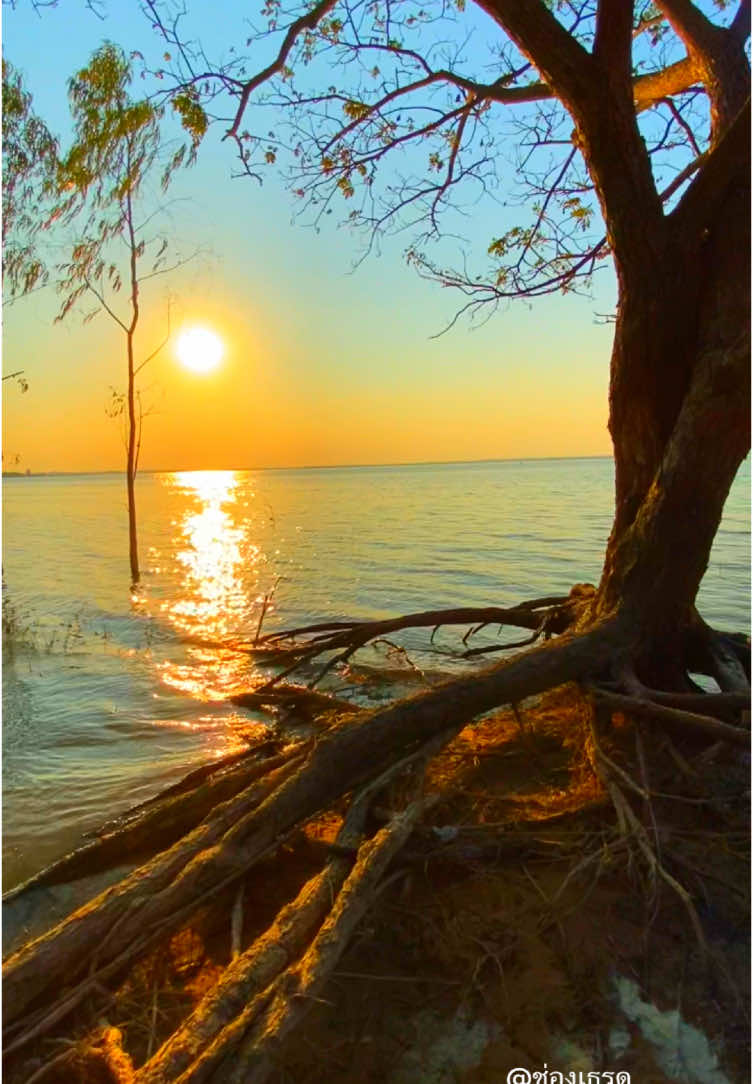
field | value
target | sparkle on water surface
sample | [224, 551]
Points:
[107, 697]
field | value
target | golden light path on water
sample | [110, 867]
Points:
[215, 560]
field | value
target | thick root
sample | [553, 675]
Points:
[674, 717]
[115, 926]
[112, 929]
[161, 821]
[252, 1055]
[250, 973]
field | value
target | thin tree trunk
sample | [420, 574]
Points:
[133, 548]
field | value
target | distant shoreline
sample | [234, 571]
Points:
[308, 466]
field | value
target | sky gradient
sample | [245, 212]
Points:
[323, 364]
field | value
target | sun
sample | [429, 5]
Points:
[199, 349]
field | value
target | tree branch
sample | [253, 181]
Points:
[682, 176]
[110, 312]
[730, 157]
[740, 26]
[161, 346]
[398, 92]
[680, 120]
[561, 59]
[308, 21]
[172, 267]
[691, 25]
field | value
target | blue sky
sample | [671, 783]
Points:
[323, 364]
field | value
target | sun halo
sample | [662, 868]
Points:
[199, 349]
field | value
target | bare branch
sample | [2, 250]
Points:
[101, 299]
[683, 175]
[560, 58]
[679, 119]
[172, 267]
[305, 22]
[159, 349]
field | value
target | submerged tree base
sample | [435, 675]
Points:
[535, 858]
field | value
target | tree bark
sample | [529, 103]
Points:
[679, 403]
[668, 306]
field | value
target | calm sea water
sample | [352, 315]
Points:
[108, 696]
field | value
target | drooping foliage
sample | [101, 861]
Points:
[117, 151]
[30, 154]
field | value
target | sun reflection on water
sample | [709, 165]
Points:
[214, 558]
[209, 547]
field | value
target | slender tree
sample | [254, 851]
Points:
[117, 148]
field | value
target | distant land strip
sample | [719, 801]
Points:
[309, 466]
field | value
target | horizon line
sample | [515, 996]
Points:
[314, 466]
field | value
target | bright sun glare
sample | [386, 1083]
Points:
[199, 349]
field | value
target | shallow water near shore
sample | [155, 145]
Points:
[108, 694]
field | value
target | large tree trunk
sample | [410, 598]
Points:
[679, 404]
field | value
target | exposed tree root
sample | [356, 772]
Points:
[674, 717]
[114, 926]
[726, 665]
[631, 828]
[295, 700]
[158, 823]
[718, 705]
[249, 975]
[101, 1060]
[220, 825]
[254, 1060]
[300, 645]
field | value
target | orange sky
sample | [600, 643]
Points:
[294, 392]
[323, 365]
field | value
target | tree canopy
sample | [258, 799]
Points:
[593, 129]
[30, 155]
[406, 115]
[118, 147]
